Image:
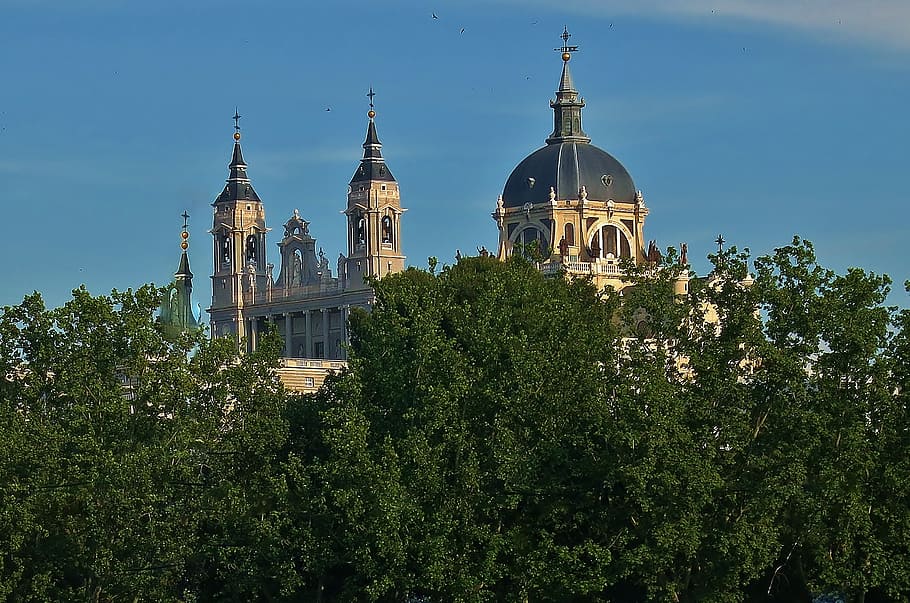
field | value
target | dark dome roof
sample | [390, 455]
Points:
[567, 166]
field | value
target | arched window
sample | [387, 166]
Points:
[387, 230]
[531, 242]
[251, 256]
[361, 230]
[609, 242]
[570, 234]
[224, 251]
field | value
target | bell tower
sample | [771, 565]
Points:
[374, 215]
[238, 239]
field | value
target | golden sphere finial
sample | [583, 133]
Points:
[184, 245]
[371, 114]
[185, 234]
[566, 56]
[237, 136]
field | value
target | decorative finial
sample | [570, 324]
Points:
[371, 113]
[566, 49]
[184, 235]
[720, 243]
[236, 125]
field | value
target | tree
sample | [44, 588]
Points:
[498, 435]
[138, 466]
[457, 415]
[501, 435]
[89, 476]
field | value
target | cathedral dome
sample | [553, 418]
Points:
[569, 161]
[566, 166]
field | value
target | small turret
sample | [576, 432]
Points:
[177, 306]
[567, 107]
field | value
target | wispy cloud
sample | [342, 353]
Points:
[873, 22]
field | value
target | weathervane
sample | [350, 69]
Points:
[566, 50]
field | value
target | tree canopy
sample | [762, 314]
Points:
[497, 436]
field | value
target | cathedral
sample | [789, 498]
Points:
[573, 205]
[569, 205]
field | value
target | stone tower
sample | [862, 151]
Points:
[373, 215]
[239, 244]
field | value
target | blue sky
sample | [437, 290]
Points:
[758, 120]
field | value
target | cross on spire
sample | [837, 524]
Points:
[236, 120]
[184, 235]
[371, 94]
[720, 243]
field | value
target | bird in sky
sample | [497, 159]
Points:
[434, 16]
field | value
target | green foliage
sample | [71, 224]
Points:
[498, 436]
[120, 447]
[524, 438]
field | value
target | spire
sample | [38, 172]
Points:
[183, 269]
[565, 82]
[238, 187]
[567, 107]
[372, 166]
[177, 306]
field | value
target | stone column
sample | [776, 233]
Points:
[254, 333]
[288, 334]
[325, 333]
[345, 314]
[308, 347]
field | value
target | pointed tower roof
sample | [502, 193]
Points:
[238, 186]
[372, 166]
[565, 81]
[183, 269]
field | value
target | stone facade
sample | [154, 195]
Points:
[305, 301]
[570, 205]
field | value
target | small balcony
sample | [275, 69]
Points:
[605, 267]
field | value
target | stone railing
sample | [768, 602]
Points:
[277, 294]
[316, 363]
[600, 268]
